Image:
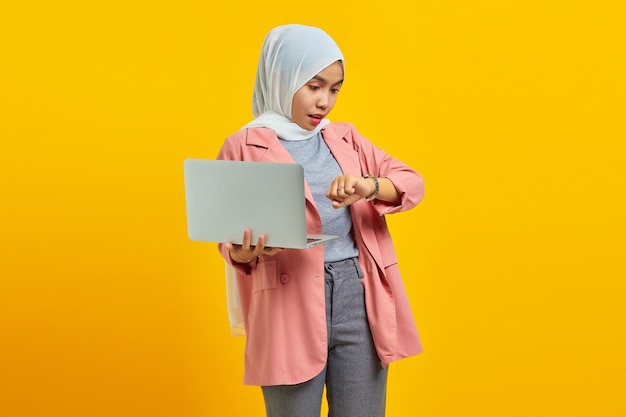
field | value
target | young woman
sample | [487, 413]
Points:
[337, 314]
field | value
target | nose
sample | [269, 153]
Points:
[323, 100]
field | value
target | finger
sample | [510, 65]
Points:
[351, 199]
[332, 188]
[350, 186]
[247, 239]
[260, 244]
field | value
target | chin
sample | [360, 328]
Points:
[307, 127]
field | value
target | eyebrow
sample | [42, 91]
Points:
[322, 79]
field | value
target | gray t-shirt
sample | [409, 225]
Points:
[320, 168]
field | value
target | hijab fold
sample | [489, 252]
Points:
[291, 55]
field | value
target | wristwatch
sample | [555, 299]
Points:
[375, 193]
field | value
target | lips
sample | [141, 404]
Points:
[316, 118]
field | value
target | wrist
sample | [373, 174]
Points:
[374, 194]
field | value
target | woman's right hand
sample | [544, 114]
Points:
[245, 252]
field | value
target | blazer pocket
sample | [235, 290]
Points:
[264, 278]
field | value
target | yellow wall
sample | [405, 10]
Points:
[512, 110]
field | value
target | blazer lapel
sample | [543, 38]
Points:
[342, 149]
[339, 141]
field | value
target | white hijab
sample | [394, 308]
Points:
[290, 57]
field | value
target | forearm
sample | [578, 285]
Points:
[386, 190]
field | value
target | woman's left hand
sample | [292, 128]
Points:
[348, 189]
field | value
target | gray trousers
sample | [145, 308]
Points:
[355, 381]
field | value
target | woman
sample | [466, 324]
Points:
[336, 314]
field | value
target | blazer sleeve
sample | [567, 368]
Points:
[408, 182]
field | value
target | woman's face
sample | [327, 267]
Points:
[315, 99]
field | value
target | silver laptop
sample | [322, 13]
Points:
[226, 197]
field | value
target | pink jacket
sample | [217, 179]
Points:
[282, 296]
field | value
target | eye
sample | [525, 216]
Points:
[313, 87]
[335, 90]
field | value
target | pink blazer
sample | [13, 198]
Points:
[282, 296]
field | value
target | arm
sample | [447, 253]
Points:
[348, 189]
[400, 186]
[408, 183]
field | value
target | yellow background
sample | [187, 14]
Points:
[512, 110]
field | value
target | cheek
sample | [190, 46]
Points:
[296, 104]
[332, 102]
